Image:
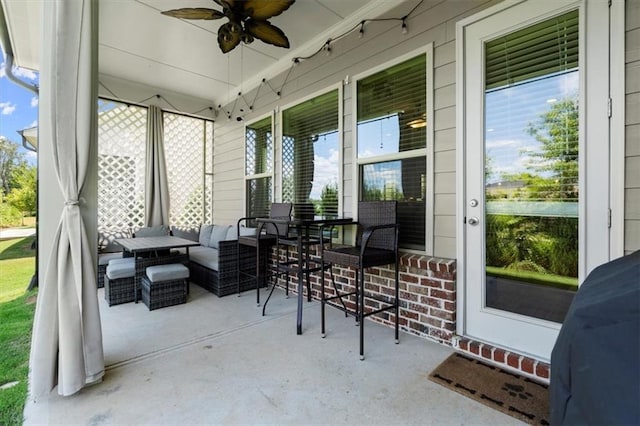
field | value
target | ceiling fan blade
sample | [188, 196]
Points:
[261, 10]
[227, 39]
[194, 13]
[266, 32]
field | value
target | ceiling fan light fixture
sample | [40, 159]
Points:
[247, 38]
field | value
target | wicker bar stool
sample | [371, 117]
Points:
[262, 242]
[376, 245]
[287, 265]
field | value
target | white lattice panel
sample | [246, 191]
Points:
[121, 166]
[184, 147]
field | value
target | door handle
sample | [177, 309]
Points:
[473, 221]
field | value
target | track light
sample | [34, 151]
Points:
[361, 30]
[404, 25]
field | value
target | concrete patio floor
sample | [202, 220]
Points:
[218, 361]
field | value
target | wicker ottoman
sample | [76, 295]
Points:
[119, 281]
[103, 262]
[165, 285]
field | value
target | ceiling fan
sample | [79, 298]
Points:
[247, 21]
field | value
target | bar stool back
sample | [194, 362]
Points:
[260, 244]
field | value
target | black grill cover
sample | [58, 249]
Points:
[595, 363]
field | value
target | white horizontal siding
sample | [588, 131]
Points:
[228, 174]
[433, 22]
[632, 127]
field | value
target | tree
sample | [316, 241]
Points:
[10, 158]
[329, 199]
[23, 194]
[557, 131]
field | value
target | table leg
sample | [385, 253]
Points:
[135, 276]
[258, 254]
[300, 281]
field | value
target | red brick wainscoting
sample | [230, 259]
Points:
[520, 364]
[427, 306]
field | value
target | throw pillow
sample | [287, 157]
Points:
[218, 234]
[205, 235]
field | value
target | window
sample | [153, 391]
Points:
[188, 143]
[532, 182]
[310, 153]
[259, 167]
[392, 140]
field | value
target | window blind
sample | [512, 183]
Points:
[536, 51]
[258, 167]
[310, 153]
[392, 126]
[392, 109]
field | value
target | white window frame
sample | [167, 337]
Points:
[427, 152]
[270, 174]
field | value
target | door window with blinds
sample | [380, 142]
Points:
[531, 161]
[392, 140]
[259, 167]
[310, 154]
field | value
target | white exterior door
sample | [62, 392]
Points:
[535, 175]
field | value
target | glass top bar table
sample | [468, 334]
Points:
[302, 226]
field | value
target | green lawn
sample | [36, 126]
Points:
[17, 265]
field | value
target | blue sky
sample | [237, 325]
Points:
[18, 107]
[509, 112]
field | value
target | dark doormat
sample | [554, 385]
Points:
[502, 390]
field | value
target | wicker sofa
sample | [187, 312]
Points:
[213, 264]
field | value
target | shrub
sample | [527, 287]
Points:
[9, 216]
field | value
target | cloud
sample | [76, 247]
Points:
[19, 72]
[7, 108]
[34, 123]
[502, 143]
[569, 84]
[34, 101]
[25, 73]
[325, 172]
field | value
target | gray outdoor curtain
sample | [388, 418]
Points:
[66, 347]
[156, 204]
